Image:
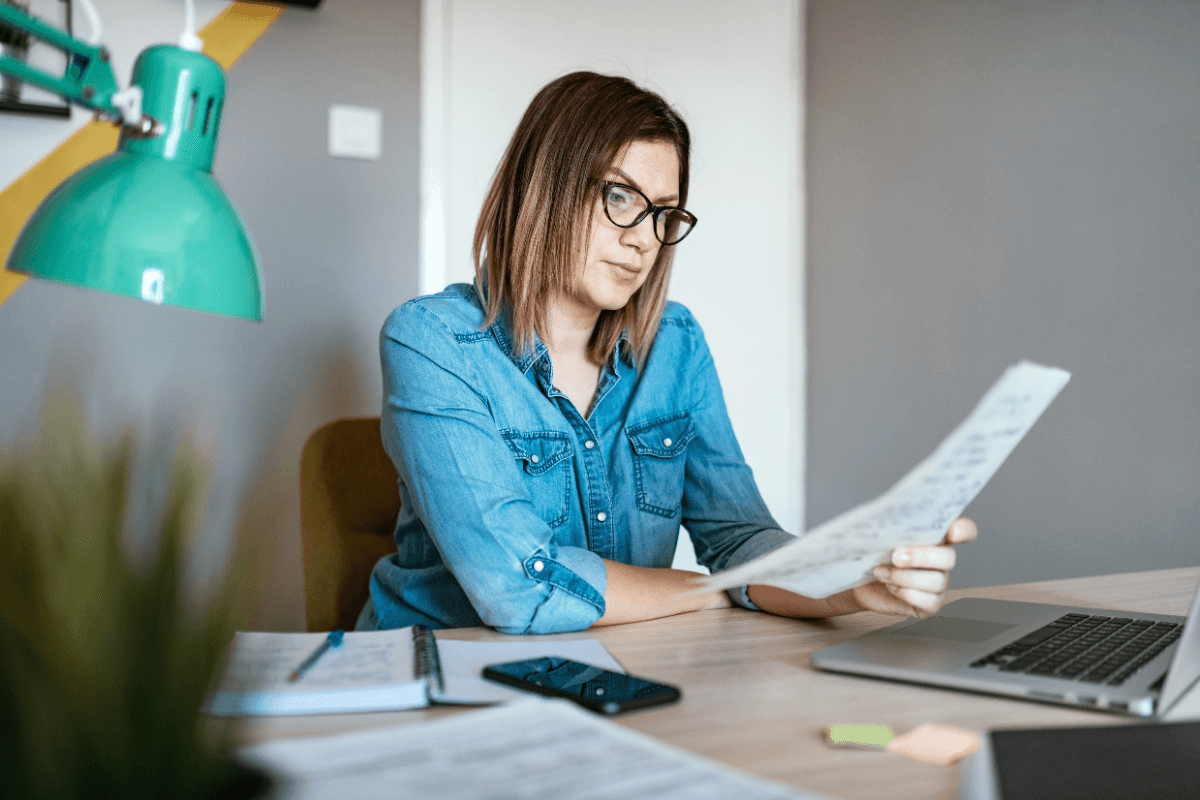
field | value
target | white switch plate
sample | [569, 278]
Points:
[355, 132]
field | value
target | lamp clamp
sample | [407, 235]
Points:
[87, 80]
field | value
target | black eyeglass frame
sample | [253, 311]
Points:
[651, 209]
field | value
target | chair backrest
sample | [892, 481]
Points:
[348, 506]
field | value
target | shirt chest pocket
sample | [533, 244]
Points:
[659, 459]
[545, 461]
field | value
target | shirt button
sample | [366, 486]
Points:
[666, 442]
[601, 517]
[589, 444]
[538, 566]
[533, 458]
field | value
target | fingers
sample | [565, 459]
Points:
[877, 597]
[924, 603]
[925, 580]
[902, 601]
[962, 530]
[923, 589]
[940, 557]
[916, 581]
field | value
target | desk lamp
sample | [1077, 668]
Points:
[147, 221]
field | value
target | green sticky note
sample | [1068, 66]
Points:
[866, 736]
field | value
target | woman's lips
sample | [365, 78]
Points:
[625, 269]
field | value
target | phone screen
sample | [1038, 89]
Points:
[590, 686]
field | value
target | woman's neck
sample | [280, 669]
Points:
[569, 331]
[568, 334]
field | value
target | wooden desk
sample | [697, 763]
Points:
[750, 699]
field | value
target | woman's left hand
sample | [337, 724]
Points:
[914, 584]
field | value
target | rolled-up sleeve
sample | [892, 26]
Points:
[723, 511]
[466, 488]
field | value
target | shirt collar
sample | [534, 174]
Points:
[502, 331]
[624, 349]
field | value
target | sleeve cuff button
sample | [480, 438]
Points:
[538, 566]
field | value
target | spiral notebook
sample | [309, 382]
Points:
[374, 671]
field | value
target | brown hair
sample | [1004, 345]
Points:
[538, 212]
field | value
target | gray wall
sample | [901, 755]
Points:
[337, 241]
[990, 181]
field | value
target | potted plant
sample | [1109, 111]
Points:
[106, 649]
[14, 44]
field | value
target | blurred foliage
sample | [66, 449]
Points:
[105, 653]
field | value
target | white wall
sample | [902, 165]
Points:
[735, 73]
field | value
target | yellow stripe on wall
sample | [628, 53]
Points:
[226, 38]
[235, 29]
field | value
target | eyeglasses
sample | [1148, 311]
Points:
[625, 206]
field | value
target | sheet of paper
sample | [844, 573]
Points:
[521, 751]
[462, 663]
[842, 552]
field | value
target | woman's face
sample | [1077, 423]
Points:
[618, 260]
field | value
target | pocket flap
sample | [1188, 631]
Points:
[665, 437]
[538, 451]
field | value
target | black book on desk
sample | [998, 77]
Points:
[1154, 761]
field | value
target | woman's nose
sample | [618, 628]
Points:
[641, 235]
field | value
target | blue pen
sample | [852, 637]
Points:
[332, 640]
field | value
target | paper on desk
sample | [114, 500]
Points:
[531, 749]
[842, 552]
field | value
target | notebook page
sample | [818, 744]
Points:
[368, 670]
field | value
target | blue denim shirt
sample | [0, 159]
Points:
[510, 498]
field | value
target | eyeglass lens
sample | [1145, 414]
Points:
[625, 207]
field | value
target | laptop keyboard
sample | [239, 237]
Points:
[1091, 649]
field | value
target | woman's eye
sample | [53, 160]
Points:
[621, 198]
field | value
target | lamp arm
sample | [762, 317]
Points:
[88, 79]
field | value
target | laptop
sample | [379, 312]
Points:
[1122, 662]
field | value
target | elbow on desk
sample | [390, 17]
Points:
[559, 611]
[548, 595]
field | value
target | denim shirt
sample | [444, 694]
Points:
[510, 497]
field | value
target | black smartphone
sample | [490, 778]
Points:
[590, 686]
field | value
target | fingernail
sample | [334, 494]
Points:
[901, 558]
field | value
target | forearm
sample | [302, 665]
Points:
[778, 601]
[638, 593]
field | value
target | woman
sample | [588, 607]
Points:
[554, 424]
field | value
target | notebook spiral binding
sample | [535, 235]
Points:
[426, 663]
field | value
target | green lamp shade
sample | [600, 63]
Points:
[149, 221]
[146, 228]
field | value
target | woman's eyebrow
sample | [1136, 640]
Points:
[625, 178]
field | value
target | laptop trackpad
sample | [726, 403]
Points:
[955, 629]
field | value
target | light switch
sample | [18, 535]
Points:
[355, 132]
